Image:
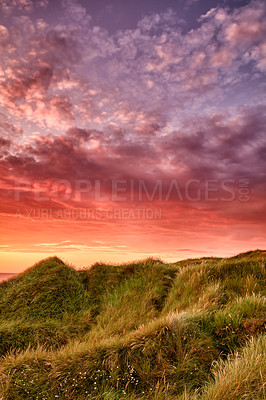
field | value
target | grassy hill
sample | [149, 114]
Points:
[192, 330]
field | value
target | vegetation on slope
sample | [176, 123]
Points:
[50, 289]
[147, 330]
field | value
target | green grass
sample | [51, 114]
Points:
[50, 289]
[242, 376]
[190, 330]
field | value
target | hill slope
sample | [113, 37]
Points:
[136, 331]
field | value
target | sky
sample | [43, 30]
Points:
[131, 130]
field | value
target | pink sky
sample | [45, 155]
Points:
[137, 138]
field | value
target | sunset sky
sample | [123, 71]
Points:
[131, 129]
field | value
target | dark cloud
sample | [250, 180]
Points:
[4, 142]
[215, 157]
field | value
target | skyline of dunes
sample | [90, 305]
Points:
[131, 130]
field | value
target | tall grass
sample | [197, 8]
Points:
[49, 289]
[147, 330]
[242, 376]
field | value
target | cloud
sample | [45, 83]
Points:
[35, 87]
[7, 129]
[4, 142]
[142, 104]
[214, 154]
[142, 79]
[25, 6]
[67, 245]
[76, 12]
[247, 24]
